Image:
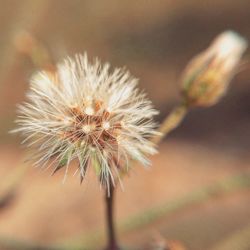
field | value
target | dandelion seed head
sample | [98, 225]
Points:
[86, 112]
[106, 125]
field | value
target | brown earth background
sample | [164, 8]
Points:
[178, 199]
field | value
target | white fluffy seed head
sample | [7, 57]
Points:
[106, 125]
[89, 110]
[79, 112]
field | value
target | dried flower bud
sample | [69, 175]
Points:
[86, 113]
[206, 77]
[27, 44]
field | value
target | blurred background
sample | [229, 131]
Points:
[196, 195]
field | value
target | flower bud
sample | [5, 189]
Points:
[206, 77]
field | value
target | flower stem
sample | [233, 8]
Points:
[109, 199]
[171, 122]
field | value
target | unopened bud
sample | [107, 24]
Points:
[206, 77]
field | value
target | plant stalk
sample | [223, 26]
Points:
[109, 200]
[171, 122]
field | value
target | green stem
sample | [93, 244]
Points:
[171, 122]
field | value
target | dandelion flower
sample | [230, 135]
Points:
[87, 113]
[207, 76]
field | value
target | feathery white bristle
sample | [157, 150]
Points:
[85, 112]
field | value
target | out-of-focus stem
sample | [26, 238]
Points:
[171, 122]
[15, 244]
[28, 17]
[239, 240]
[9, 186]
[26, 43]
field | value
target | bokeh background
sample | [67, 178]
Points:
[196, 195]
